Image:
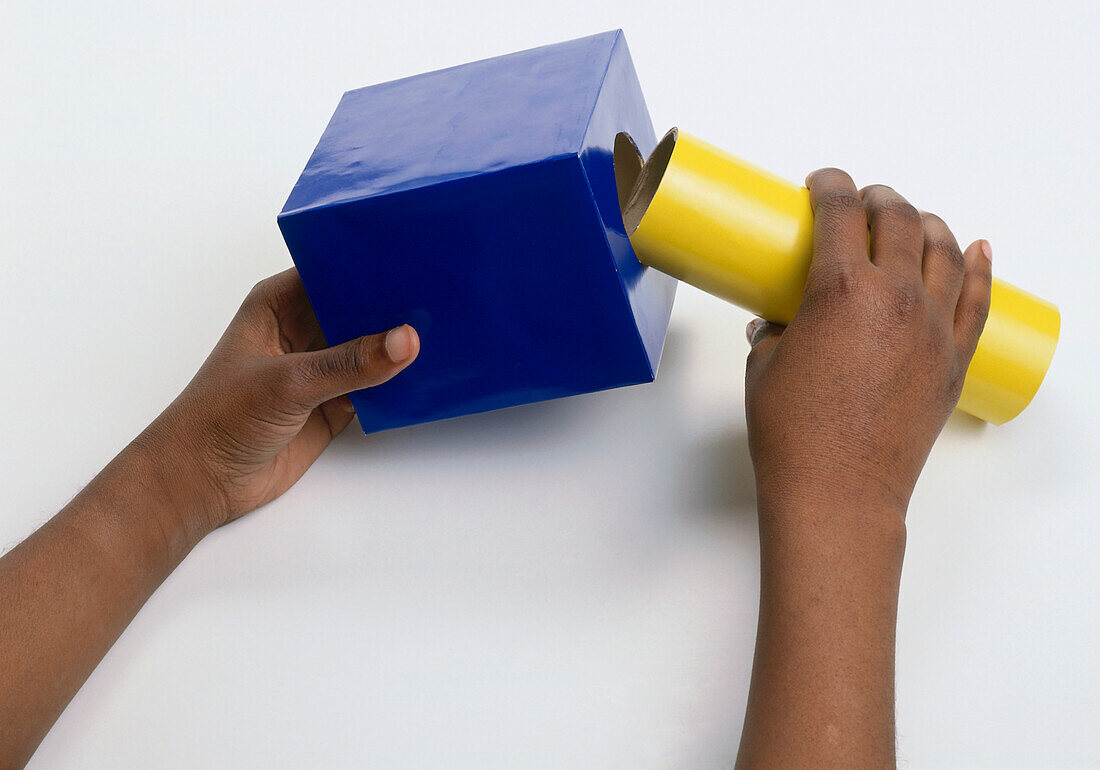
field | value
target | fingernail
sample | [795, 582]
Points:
[399, 344]
[346, 405]
[754, 326]
[987, 250]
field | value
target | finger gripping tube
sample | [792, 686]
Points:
[741, 233]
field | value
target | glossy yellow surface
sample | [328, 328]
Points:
[746, 235]
[1012, 355]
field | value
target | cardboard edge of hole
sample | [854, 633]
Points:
[637, 182]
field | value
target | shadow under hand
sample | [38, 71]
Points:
[966, 424]
[690, 460]
[724, 480]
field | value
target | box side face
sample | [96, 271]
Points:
[621, 107]
[465, 120]
[505, 276]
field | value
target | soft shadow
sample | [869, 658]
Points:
[724, 479]
[717, 478]
[965, 424]
[540, 423]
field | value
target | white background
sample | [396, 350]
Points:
[573, 583]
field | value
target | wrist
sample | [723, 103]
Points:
[174, 490]
[821, 513]
[831, 483]
[130, 516]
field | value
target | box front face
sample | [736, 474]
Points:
[506, 276]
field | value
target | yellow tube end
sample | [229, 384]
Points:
[1013, 354]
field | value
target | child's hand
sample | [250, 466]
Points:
[265, 404]
[260, 410]
[844, 404]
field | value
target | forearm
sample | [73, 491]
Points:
[822, 690]
[71, 588]
[262, 408]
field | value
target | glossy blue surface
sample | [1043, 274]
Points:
[478, 204]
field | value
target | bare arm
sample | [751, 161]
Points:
[260, 410]
[843, 407]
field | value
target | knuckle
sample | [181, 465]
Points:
[360, 357]
[257, 296]
[846, 283]
[339, 361]
[827, 178]
[353, 359]
[841, 202]
[948, 251]
[841, 284]
[877, 191]
[934, 221]
[830, 172]
[259, 289]
[897, 209]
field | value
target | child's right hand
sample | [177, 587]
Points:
[846, 402]
[843, 406]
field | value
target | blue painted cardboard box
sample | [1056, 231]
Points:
[478, 204]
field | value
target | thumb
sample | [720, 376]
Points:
[763, 336]
[359, 363]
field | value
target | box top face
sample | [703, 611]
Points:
[456, 122]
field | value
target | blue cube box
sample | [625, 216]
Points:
[478, 204]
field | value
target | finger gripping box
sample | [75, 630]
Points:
[478, 204]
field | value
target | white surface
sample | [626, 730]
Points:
[568, 584]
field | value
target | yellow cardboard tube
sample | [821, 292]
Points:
[746, 235]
